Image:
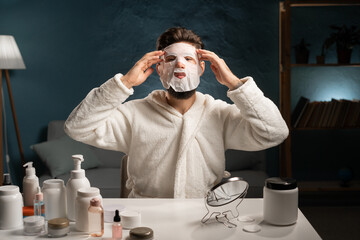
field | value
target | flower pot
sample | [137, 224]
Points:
[344, 55]
[320, 59]
[302, 56]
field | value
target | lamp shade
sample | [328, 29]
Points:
[10, 57]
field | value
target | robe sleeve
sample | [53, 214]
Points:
[101, 119]
[254, 123]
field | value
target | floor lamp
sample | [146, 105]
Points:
[10, 58]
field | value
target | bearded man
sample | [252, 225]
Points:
[176, 138]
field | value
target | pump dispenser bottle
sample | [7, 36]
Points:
[76, 181]
[30, 184]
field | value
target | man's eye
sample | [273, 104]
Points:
[170, 58]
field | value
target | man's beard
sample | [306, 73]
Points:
[181, 95]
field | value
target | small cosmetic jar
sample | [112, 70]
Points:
[130, 219]
[141, 233]
[280, 201]
[58, 227]
[34, 225]
[109, 211]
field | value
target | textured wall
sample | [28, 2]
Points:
[69, 47]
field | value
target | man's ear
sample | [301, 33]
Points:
[202, 65]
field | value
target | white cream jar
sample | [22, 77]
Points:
[281, 201]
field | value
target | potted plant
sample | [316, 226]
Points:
[325, 46]
[302, 52]
[345, 38]
[320, 59]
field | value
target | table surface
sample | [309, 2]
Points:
[173, 219]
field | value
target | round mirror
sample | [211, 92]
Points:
[227, 191]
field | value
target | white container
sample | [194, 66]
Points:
[11, 204]
[34, 225]
[281, 201]
[54, 198]
[30, 184]
[82, 204]
[76, 181]
[130, 219]
[109, 211]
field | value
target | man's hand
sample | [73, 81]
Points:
[222, 72]
[142, 69]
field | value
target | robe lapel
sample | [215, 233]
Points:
[191, 124]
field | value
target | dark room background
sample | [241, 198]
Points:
[72, 46]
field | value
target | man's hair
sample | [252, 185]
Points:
[178, 34]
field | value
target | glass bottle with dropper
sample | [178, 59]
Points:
[39, 207]
[116, 227]
[96, 218]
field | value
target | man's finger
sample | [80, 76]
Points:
[148, 72]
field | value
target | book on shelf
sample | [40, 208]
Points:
[331, 113]
[326, 114]
[303, 122]
[314, 119]
[351, 116]
[343, 112]
[299, 111]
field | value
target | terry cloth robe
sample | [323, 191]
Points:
[173, 155]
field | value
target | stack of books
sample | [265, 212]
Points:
[326, 114]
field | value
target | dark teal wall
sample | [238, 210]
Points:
[70, 47]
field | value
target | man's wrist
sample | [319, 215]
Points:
[125, 81]
[234, 84]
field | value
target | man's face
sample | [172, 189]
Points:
[181, 69]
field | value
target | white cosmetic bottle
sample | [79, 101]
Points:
[76, 181]
[30, 184]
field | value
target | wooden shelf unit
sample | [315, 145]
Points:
[322, 128]
[322, 3]
[285, 66]
[332, 186]
[325, 65]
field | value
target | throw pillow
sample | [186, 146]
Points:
[56, 155]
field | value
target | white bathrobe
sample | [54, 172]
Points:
[173, 155]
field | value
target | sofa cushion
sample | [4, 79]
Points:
[255, 179]
[107, 158]
[56, 155]
[237, 160]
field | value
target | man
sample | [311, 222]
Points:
[176, 139]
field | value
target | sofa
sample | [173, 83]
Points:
[106, 170]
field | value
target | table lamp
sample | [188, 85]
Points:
[10, 58]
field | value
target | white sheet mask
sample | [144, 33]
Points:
[172, 75]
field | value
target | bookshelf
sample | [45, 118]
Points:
[285, 66]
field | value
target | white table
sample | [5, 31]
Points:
[173, 219]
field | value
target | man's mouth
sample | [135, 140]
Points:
[180, 75]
